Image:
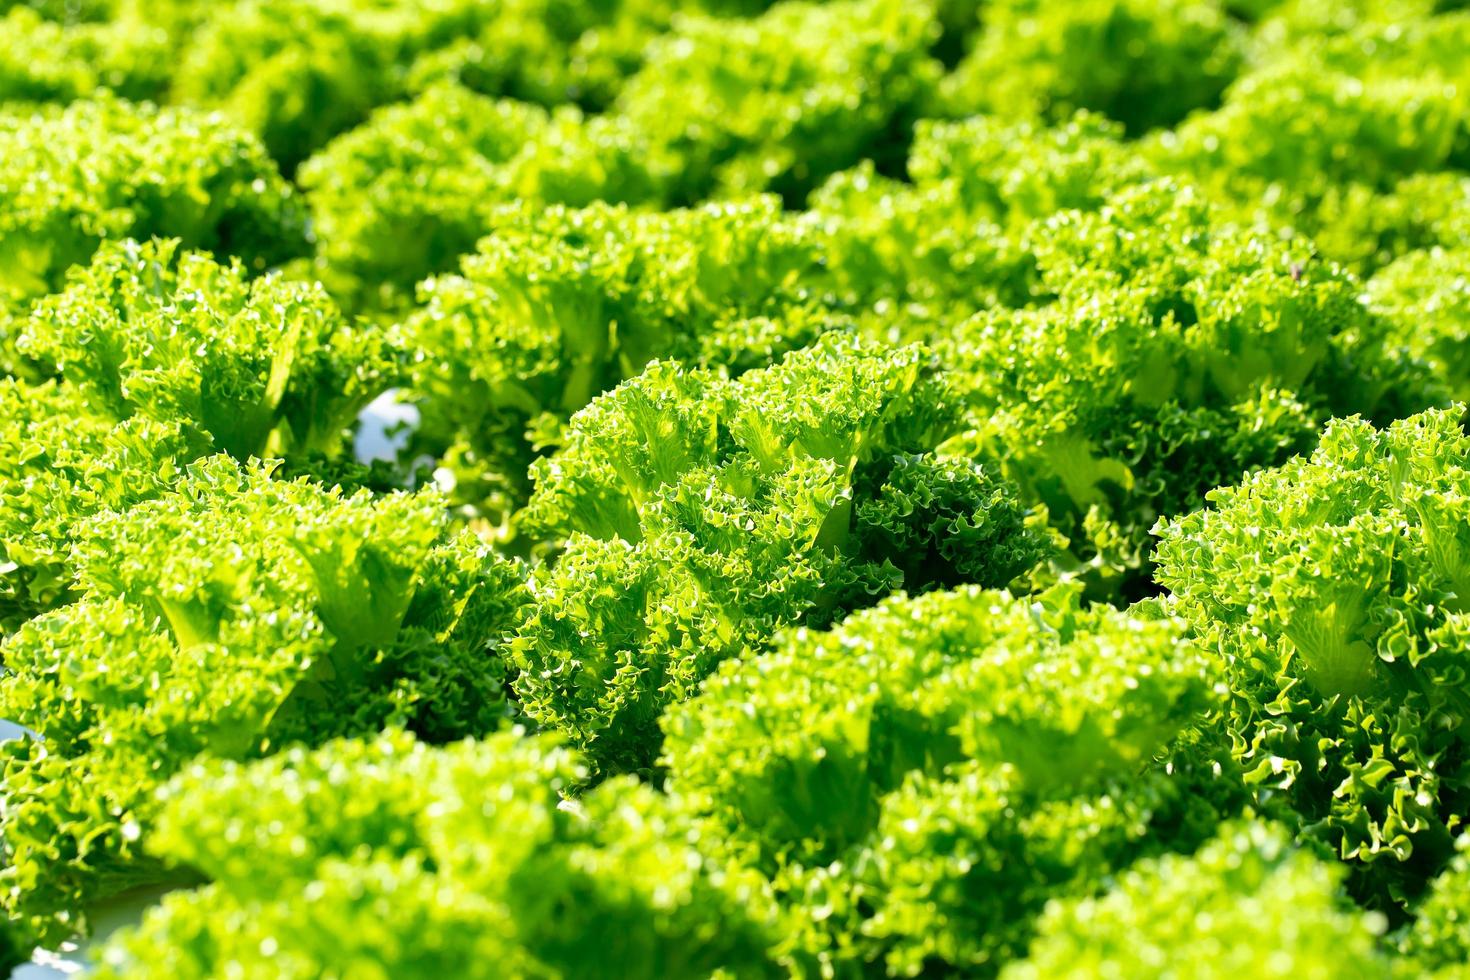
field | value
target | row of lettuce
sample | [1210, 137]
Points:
[298, 73]
[823, 571]
[1325, 119]
[207, 644]
[960, 779]
[1114, 341]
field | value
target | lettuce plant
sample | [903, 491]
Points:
[1313, 138]
[66, 464]
[249, 367]
[117, 170]
[701, 514]
[1144, 64]
[872, 488]
[165, 356]
[232, 616]
[1248, 903]
[778, 102]
[47, 61]
[1437, 942]
[560, 305]
[413, 188]
[954, 237]
[1367, 229]
[1180, 353]
[1426, 296]
[300, 73]
[1330, 591]
[388, 857]
[919, 781]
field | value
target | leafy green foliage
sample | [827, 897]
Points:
[115, 170]
[1437, 943]
[1426, 295]
[1367, 229]
[956, 235]
[553, 51]
[1380, 91]
[1248, 904]
[299, 73]
[412, 189]
[12, 948]
[64, 465]
[358, 828]
[714, 325]
[702, 514]
[44, 61]
[560, 305]
[1331, 592]
[779, 102]
[1286, 24]
[1179, 354]
[250, 367]
[919, 781]
[1310, 138]
[945, 521]
[227, 618]
[65, 11]
[295, 74]
[1144, 63]
[164, 356]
